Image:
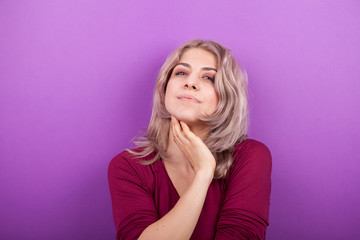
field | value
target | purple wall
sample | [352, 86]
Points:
[76, 81]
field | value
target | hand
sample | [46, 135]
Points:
[194, 149]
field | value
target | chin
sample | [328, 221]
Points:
[188, 118]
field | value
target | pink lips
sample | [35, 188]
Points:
[187, 97]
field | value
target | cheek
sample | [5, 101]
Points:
[213, 99]
[166, 100]
[168, 90]
[169, 95]
[169, 86]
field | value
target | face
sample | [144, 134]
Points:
[190, 91]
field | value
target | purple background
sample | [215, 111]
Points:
[76, 86]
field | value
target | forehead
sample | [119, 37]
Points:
[199, 57]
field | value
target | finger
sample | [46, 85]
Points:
[186, 130]
[178, 133]
[172, 124]
[173, 129]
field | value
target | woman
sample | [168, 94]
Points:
[195, 175]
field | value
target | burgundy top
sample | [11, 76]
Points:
[236, 207]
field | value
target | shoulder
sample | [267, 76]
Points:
[251, 146]
[252, 154]
[124, 158]
[126, 165]
[127, 159]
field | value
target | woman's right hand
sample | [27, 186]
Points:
[194, 149]
[188, 208]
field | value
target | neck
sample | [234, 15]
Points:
[199, 131]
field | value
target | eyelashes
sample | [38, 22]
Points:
[180, 73]
[210, 78]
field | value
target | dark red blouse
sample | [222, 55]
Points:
[236, 207]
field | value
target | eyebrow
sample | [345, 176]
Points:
[204, 68]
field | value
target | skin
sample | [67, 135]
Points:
[191, 164]
[193, 76]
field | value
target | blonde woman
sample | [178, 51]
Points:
[195, 175]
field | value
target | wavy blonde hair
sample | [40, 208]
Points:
[228, 125]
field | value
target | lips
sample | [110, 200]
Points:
[188, 98]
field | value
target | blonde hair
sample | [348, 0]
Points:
[228, 125]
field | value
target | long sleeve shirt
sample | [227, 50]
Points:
[236, 207]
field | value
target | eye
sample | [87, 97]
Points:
[180, 73]
[210, 78]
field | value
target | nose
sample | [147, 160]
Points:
[191, 83]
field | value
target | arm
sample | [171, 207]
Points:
[135, 213]
[133, 206]
[245, 212]
[132, 202]
[179, 223]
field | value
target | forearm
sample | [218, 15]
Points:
[179, 222]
